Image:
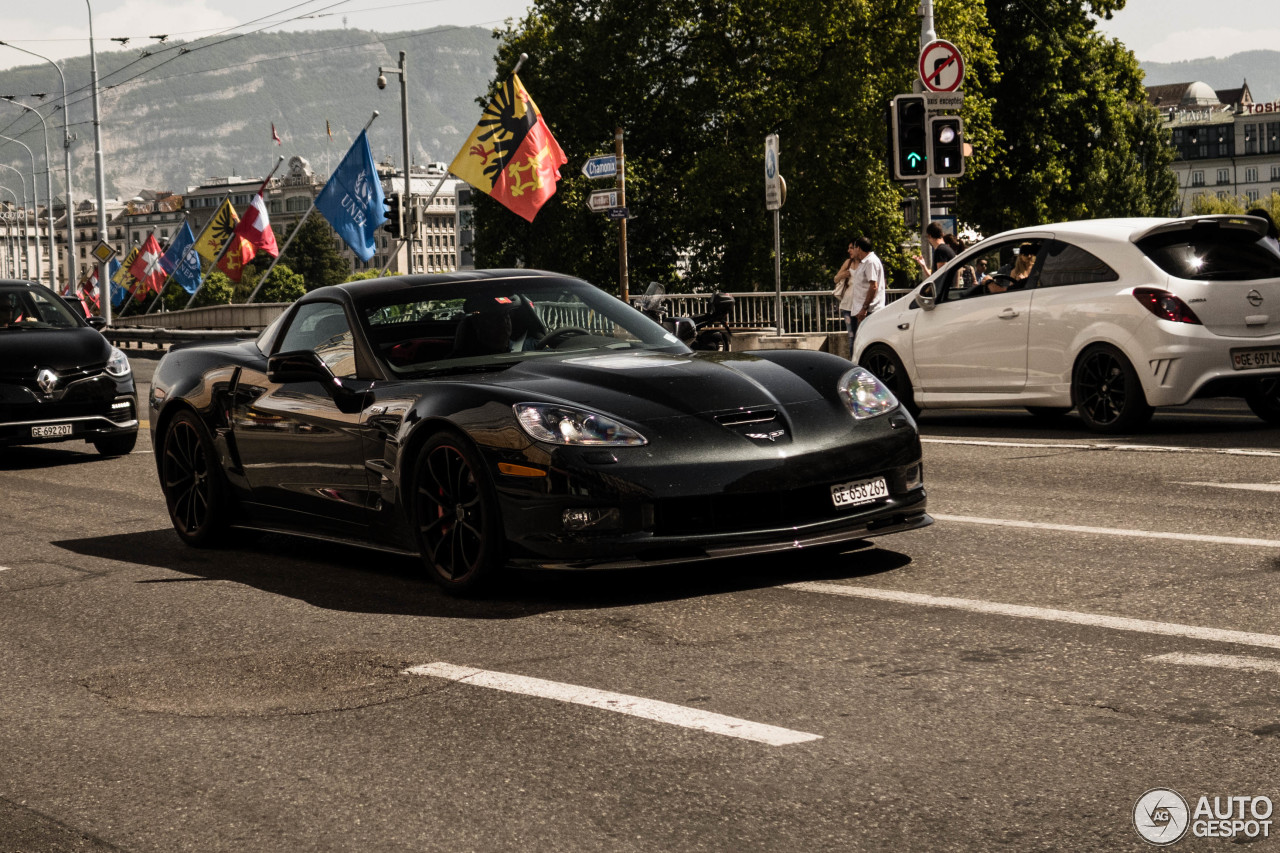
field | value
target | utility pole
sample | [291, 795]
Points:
[406, 200]
[99, 168]
[927, 35]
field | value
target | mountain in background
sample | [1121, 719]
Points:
[174, 114]
[1261, 68]
[172, 120]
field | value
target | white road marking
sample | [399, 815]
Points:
[1111, 531]
[649, 709]
[1092, 445]
[1220, 661]
[1094, 620]
[1248, 487]
[4, 568]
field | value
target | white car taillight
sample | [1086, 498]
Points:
[1165, 305]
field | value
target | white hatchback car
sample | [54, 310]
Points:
[1115, 317]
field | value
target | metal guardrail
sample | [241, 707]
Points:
[803, 311]
[166, 337]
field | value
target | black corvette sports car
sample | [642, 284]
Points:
[60, 380]
[514, 417]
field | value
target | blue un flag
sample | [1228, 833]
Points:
[353, 200]
[181, 260]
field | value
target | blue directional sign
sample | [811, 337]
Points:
[604, 166]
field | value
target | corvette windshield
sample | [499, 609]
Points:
[33, 309]
[477, 323]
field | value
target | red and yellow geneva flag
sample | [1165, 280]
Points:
[511, 155]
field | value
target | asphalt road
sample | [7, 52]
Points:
[1089, 619]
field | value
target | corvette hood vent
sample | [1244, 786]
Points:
[762, 426]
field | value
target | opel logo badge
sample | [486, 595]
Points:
[47, 380]
[1255, 298]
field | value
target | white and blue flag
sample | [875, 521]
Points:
[353, 200]
[181, 261]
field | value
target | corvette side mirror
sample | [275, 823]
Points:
[298, 366]
[306, 366]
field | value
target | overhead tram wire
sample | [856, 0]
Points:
[353, 46]
[186, 49]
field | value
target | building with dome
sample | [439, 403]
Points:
[1226, 144]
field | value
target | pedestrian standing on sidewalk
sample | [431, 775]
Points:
[843, 292]
[868, 286]
[942, 253]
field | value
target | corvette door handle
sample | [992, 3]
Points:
[1007, 314]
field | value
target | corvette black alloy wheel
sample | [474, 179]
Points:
[193, 487]
[1107, 392]
[459, 531]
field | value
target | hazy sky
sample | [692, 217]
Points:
[1174, 30]
[58, 28]
[1156, 30]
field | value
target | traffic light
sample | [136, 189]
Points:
[394, 220]
[946, 145]
[910, 140]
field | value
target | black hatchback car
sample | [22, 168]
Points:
[60, 380]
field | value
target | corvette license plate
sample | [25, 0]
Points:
[50, 430]
[861, 492]
[1252, 359]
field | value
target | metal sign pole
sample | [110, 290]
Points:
[623, 273]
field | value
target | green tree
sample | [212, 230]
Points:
[1207, 203]
[314, 254]
[217, 290]
[696, 86]
[1072, 134]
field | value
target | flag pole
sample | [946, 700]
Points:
[133, 291]
[214, 264]
[186, 214]
[296, 229]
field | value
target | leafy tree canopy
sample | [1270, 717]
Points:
[696, 85]
[314, 254]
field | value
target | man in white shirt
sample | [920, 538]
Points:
[866, 292]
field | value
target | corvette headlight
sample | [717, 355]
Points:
[865, 395]
[118, 364]
[565, 425]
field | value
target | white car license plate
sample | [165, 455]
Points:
[861, 492]
[1252, 359]
[51, 430]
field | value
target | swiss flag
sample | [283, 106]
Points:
[146, 267]
[255, 228]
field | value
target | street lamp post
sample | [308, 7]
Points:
[10, 260]
[48, 195]
[66, 150]
[26, 238]
[406, 201]
[98, 168]
[35, 208]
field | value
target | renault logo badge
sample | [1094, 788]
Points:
[47, 380]
[1254, 297]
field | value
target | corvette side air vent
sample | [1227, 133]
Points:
[745, 416]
